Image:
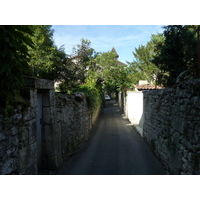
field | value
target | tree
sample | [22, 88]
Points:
[179, 52]
[104, 62]
[14, 60]
[134, 73]
[101, 70]
[46, 58]
[142, 67]
[77, 66]
[158, 41]
[112, 75]
[82, 55]
[68, 76]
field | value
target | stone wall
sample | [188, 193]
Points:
[18, 140]
[73, 123]
[172, 126]
[44, 130]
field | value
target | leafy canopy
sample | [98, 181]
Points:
[166, 55]
[178, 53]
[113, 75]
[14, 59]
[77, 65]
[142, 68]
[46, 59]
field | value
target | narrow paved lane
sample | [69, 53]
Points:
[114, 148]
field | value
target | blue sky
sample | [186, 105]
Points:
[124, 38]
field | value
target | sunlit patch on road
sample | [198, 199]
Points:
[129, 124]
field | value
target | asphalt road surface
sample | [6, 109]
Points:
[114, 148]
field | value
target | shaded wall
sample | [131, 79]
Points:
[18, 141]
[172, 126]
[73, 123]
[169, 121]
[44, 130]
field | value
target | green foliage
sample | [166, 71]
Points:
[14, 60]
[76, 67]
[117, 78]
[143, 68]
[106, 60]
[134, 75]
[178, 53]
[46, 59]
[93, 96]
[27, 50]
[69, 84]
[82, 56]
[113, 75]
[167, 55]
[99, 69]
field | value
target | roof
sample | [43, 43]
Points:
[114, 51]
[117, 56]
[147, 87]
[121, 63]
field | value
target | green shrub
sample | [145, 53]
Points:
[93, 96]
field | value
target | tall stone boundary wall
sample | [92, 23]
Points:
[18, 140]
[43, 133]
[172, 126]
[73, 123]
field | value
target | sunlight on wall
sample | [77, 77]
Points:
[134, 108]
